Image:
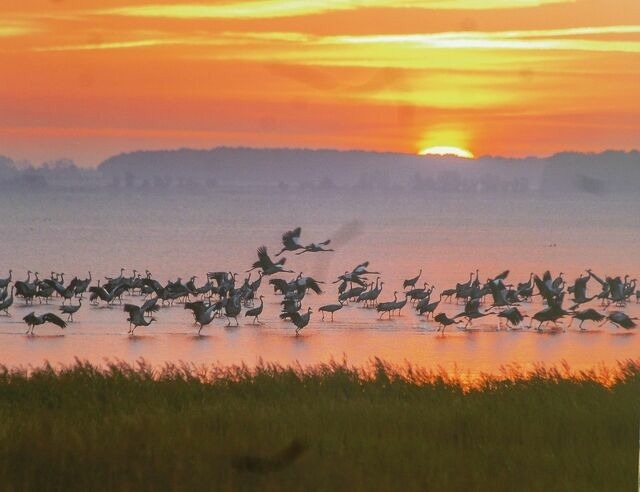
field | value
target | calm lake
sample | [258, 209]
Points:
[446, 235]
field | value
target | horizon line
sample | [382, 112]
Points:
[321, 149]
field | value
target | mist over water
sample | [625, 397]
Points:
[448, 235]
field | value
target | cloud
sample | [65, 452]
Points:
[380, 48]
[16, 28]
[142, 43]
[264, 9]
[507, 40]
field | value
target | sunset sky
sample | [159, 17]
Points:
[86, 79]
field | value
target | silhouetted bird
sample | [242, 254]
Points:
[71, 309]
[622, 320]
[32, 320]
[256, 311]
[330, 308]
[291, 241]
[586, 315]
[512, 315]
[316, 247]
[267, 265]
[444, 321]
[411, 282]
[297, 319]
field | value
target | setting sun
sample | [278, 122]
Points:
[443, 150]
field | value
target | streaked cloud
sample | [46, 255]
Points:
[499, 35]
[484, 4]
[510, 40]
[573, 39]
[115, 45]
[17, 28]
[251, 9]
[264, 9]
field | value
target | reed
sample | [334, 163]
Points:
[329, 427]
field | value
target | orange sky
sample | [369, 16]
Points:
[85, 79]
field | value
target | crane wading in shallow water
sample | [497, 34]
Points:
[32, 320]
[330, 308]
[299, 320]
[256, 311]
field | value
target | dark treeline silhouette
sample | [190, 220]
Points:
[610, 171]
[288, 170]
[58, 175]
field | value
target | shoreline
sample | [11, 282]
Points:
[405, 373]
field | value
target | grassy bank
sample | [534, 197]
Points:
[327, 428]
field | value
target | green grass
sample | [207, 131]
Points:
[130, 428]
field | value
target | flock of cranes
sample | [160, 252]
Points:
[503, 299]
[223, 295]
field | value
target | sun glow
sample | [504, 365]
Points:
[450, 151]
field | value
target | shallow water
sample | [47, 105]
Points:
[448, 236]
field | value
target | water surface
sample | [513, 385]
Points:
[447, 235]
